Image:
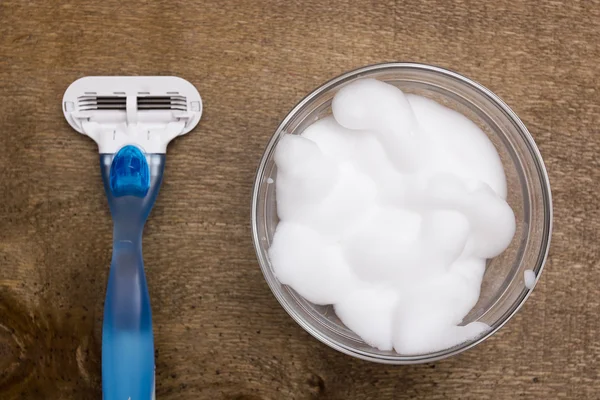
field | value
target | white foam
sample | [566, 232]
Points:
[529, 278]
[388, 210]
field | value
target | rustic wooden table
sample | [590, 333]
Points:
[220, 333]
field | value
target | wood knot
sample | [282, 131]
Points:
[40, 349]
[15, 342]
[317, 383]
[11, 352]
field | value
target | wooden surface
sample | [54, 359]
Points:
[220, 333]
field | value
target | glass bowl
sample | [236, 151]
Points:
[504, 288]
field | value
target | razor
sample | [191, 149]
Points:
[132, 120]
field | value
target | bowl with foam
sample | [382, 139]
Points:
[401, 213]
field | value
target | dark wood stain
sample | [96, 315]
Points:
[219, 332]
[42, 353]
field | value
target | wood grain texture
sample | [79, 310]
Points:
[220, 333]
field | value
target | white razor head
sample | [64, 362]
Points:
[146, 111]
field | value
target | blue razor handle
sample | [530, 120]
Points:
[131, 181]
